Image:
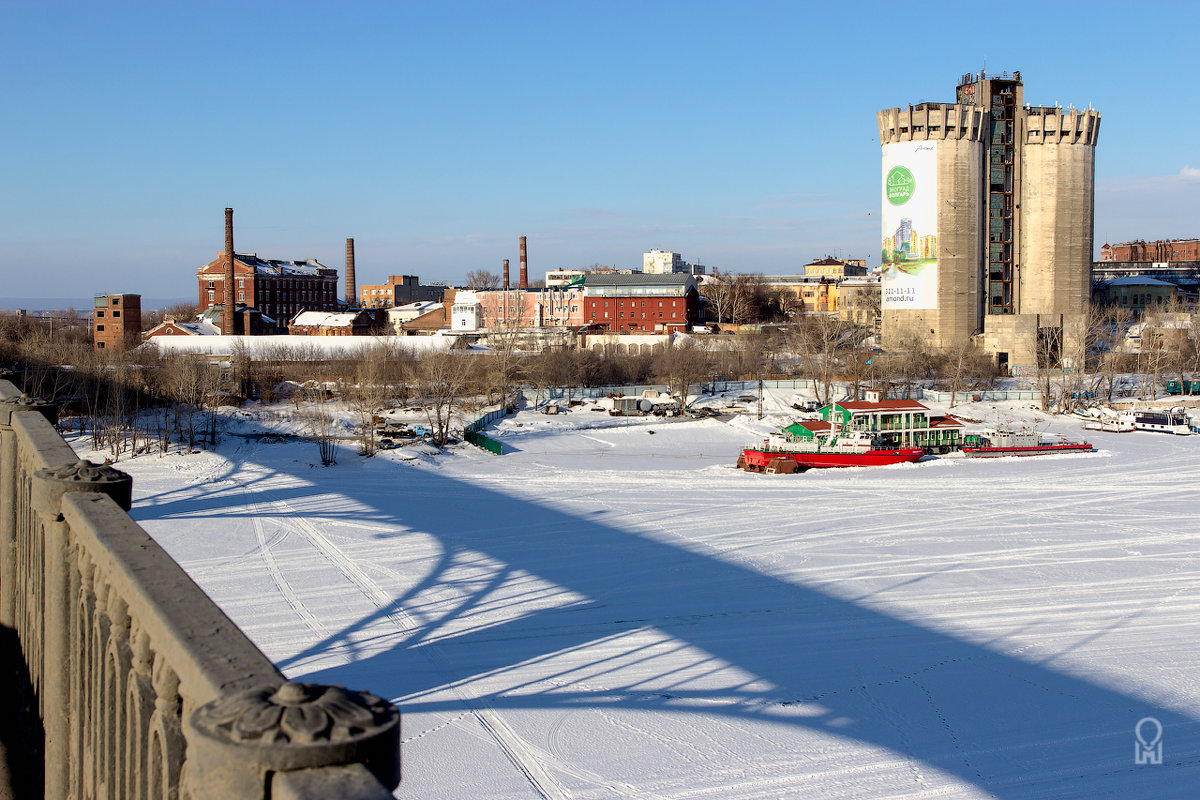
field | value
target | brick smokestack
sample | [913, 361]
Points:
[351, 286]
[227, 299]
[524, 266]
[506, 273]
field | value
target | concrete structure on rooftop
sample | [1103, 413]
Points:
[987, 220]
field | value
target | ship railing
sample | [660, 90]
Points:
[132, 682]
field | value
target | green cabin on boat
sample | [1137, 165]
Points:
[894, 423]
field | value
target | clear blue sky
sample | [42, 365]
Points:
[741, 135]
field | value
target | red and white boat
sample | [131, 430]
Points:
[828, 449]
[996, 443]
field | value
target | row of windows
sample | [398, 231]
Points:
[632, 315]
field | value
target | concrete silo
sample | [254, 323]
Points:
[1012, 217]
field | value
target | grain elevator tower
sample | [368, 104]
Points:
[987, 220]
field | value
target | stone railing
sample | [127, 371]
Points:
[141, 686]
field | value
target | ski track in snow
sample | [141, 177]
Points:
[1081, 563]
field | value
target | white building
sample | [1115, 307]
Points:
[662, 262]
[467, 313]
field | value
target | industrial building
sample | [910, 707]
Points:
[116, 321]
[987, 221]
[278, 289]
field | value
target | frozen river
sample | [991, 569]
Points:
[609, 612]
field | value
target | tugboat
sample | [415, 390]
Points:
[995, 443]
[827, 448]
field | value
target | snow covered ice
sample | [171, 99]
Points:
[602, 612]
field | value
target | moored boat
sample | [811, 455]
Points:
[1167, 420]
[1109, 424]
[778, 454]
[996, 443]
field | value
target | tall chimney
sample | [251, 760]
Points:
[524, 266]
[351, 287]
[506, 273]
[227, 299]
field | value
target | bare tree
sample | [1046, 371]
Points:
[505, 329]
[717, 289]
[680, 366]
[822, 340]
[441, 379]
[321, 424]
[370, 393]
[482, 279]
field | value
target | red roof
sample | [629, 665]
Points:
[814, 425]
[883, 405]
[947, 421]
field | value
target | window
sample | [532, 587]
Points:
[100, 344]
[99, 329]
[241, 283]
[242, 296]
[211, 284]
[211, 295]
[115, 302]
[116, 313]
[99, 313]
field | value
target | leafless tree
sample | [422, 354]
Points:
[822, 340]
[319, 415]
[373, 390]
[482, 279]
[441, 379]
[680, 366]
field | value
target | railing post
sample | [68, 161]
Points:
[12, 401]
[49, 486]
[238, 743]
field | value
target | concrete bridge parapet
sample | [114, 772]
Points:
[139, 685]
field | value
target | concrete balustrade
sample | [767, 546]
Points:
[142, 686]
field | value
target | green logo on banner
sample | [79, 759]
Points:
[900, 185]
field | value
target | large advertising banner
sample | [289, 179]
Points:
[909, 257]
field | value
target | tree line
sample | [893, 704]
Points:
[142, 401]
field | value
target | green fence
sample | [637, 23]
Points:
[483, 442]
[472, 435]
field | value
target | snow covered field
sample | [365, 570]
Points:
[609, 612]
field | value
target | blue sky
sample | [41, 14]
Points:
[739, 134]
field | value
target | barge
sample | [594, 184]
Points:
[997, 443]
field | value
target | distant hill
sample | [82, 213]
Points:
[81, 304]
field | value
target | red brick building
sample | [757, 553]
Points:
[117, 321]
[278, 289]
[618, 303]
[397, 291]
[1163, 250]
